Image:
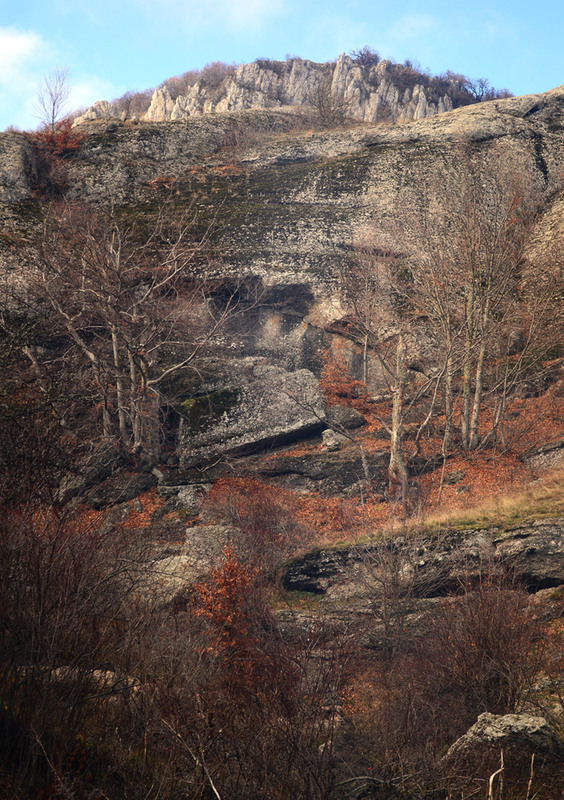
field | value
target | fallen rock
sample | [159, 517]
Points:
[344, 417]
[477, 754]
[333, 441]
[269, 407]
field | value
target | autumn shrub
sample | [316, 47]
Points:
[483, 646]
[265, 517]
[480, 650]
[253, 715]
[65, 624]
[338, 387]
[54, 144]
[214, 73]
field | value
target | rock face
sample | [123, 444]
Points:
[519, 737]
[291, 202]
[269, 406]
[383, 91]
[18, 171]
[436, 565]
[286, 207]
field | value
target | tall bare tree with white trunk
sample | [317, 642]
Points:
[135, 307]
[460, 237]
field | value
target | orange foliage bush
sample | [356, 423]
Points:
[241, 632]
[266, 517]
[225, 601]
[60, 139]
[53, 144]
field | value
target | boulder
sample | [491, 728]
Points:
[492, 732]
[344, 417]
[333, 441]
[171, 576]
[477, 755]
[269, 406]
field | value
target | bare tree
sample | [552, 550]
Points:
[464, 268]
[379, 321]
[329, 108]
[132, 104]
[135, 306]
[52, 98]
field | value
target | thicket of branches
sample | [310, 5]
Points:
[117, 311]
[463, 282]
[107, 692]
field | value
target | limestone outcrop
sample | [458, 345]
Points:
[435, 565]
[266, 406]
[382, 91]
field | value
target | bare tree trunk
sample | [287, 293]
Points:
[467, 369]
[447, 438]
[397, 469]
[478, 390]
[120, 389]
[479, 378]
[365, 360]
[134, 404]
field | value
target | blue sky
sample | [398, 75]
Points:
[110, 46]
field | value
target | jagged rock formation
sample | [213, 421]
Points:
[382, 91]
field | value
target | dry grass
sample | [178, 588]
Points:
[541, 499]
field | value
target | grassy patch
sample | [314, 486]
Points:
[543, 499]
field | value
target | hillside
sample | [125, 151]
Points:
[255, 369]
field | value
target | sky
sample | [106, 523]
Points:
[111, 46]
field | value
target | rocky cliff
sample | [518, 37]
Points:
[370, 93]
[291, 200]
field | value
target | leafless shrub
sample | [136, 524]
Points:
[215, 72]
[132, 104]
[265, 518]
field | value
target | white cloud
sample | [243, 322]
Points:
[20, 52]
[23, 55]
[25, 58]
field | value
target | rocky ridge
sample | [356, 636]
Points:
[368, 94]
